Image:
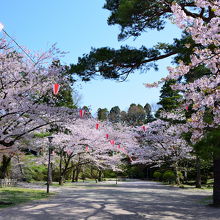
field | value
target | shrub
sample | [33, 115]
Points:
[169, 176]
[135, 172]
[109, 174]
[56, 174]
[157, 175]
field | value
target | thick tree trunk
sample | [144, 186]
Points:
[100, 176]
[147, 173]
[77, 173]
[4, 169]
[198, 173]
[216, 187]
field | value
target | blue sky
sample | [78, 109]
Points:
[76, 26]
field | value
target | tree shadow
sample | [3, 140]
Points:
[129, 202]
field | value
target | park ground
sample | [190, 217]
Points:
[124, 201]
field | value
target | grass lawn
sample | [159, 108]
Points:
[191, 185]
[13, 195]
[70, 183]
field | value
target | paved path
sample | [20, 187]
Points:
[126, 201]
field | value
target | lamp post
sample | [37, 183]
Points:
[50, 138]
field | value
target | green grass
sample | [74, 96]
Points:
[191, 185]
[207, 186]
[87, 182]
[206, 201]
[204, 187]
[14, 196]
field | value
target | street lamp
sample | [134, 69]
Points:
[50, 138]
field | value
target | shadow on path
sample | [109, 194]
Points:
[126, 201]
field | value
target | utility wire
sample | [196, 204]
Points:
[19, 47]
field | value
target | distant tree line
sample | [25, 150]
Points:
[136, 115]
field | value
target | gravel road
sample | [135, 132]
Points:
[125, 201]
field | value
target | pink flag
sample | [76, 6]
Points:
[107, 136]
[56, 88]
[87, 148]
[144, 128]
[97, 126]
[81, 112]
[187, 108]
[118, 146]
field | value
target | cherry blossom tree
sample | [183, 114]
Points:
[161, 142]
[89, 142]
[202, 95]
[23, 85]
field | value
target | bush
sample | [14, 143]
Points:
[136, 172]
[169, 176]
[109, 174]
[56, 174]
[157, 175]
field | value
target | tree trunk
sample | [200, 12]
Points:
[20, 167]
[77, 173]
[60, 169]
[4, 169]
[216, 187]
[63, 169]
[177, 174]
[147, 173]
[73, 175]
[61, 179]
[185, 175]
[198, 173]
[100, 176]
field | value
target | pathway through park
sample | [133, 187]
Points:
[126, 201]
